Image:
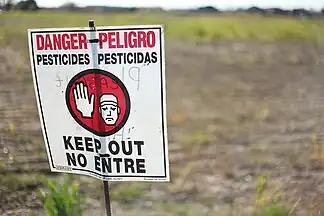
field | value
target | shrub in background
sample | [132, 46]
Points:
[268, 206]
[63, 199]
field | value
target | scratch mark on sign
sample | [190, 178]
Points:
[134, 74]
[59, 80]
[130, 132]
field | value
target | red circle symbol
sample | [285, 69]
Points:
[98, 101]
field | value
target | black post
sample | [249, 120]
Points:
[107, 198]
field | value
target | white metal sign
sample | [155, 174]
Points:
[102, 101]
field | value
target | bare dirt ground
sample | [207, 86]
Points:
[235, 111]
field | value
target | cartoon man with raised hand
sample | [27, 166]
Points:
[108, 104]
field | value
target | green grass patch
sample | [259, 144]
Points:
[14, 25]
[127, 191]
[274, 210]
[197, 138]
[21, 181]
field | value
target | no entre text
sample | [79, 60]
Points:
[109, 162]
[107, 40]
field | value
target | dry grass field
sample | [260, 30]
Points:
[245, 99]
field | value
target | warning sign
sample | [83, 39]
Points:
[101, 100]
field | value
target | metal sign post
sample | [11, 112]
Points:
[94, 45]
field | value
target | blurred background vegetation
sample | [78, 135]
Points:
[251, 88]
